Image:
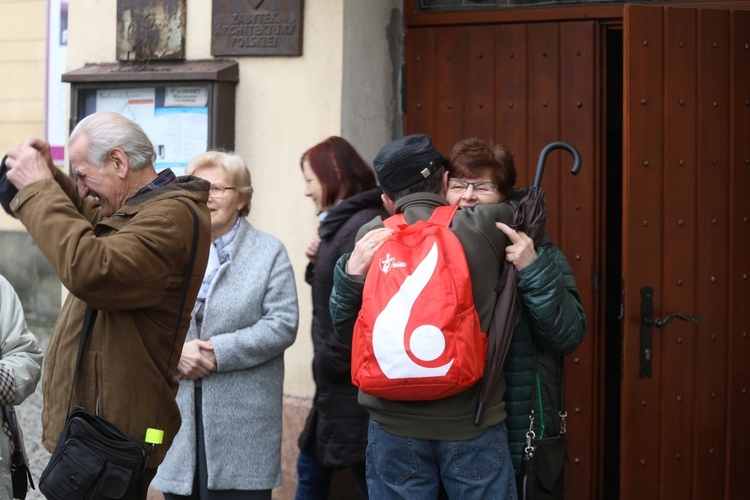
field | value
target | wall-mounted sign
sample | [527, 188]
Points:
[150, 29]
[256, 28]
[175, 118]
[185, 108]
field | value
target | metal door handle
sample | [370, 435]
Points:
[658, 323]
[648, 323]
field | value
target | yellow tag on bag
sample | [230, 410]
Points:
[154, 436]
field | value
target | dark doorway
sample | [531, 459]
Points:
[613, 251]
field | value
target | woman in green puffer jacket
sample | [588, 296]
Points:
[551, 314]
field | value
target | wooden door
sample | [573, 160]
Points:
[686, 235]
[525, 85]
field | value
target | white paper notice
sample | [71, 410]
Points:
[178, 130]
[181, 133]
[186, 96]
[136, 104]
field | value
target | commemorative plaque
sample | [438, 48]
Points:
[256, 28]
[150, 30]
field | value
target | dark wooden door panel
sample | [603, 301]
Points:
[678, 285]
[450, 96]
[738, 384]
[511, 96]
[479, 111]
[577, 208]
[709, 459]
[642, 246]
[683, 237]
[544, 113]
[419, 57]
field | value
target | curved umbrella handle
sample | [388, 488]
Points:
[543, 159]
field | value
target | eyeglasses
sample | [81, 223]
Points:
[217, 191]
[482, 187]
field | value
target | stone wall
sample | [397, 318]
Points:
[24, 266]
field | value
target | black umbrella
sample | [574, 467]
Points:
[530, 217]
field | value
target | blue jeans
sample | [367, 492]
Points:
[408, 468]
[314, 479]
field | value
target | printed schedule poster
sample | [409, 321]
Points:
[175, 118]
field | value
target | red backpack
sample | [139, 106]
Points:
[417, 336]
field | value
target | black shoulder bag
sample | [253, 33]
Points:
[19, 469]
[545, 458]
[93, 459]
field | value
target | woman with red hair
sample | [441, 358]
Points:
[343, 187]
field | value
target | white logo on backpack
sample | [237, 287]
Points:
[427, 342]
[387, 263]
[417, 336]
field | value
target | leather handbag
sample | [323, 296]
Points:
[543, 467]
[93, 459]
[545, 458]
[19, 469]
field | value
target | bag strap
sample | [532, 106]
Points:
[88, 322]
[534, 392]
[529, 448]
[394, 221]
[443, 215]
[188, 274]
[17, 458]
[91, 313]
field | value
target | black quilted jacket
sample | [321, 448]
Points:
[337, 421]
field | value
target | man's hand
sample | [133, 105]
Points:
[521, 251]
[197, 360]
[29, 163]
[364, 251]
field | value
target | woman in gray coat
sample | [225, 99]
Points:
[20, 369]
[232, 365]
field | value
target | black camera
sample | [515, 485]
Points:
[7, 190]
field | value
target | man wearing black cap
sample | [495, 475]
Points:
[414, 445]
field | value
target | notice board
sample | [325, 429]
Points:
[184, 111]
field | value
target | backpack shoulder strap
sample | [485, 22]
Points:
[443, 215]
[394, 221]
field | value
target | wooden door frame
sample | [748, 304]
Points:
[532, 13]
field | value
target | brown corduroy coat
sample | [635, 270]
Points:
[131, 267]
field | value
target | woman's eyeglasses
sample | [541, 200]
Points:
[482, 187]
[218, 191]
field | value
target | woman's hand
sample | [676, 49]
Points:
[312, 249]
[197, 360]
[521, 251]
[364, 251]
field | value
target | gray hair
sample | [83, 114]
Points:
[106, 131]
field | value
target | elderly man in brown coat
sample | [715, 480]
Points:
[119, 239]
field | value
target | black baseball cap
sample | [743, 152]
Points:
[406, 162]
